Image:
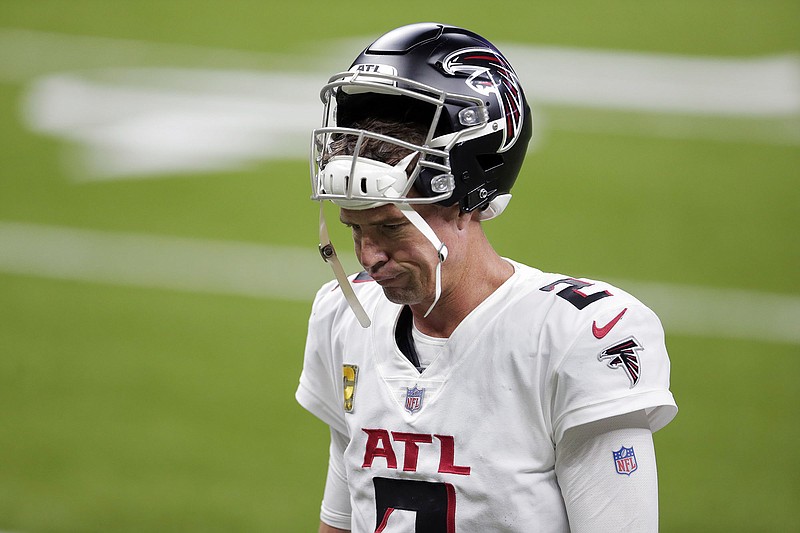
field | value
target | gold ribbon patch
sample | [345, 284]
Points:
[349, 379]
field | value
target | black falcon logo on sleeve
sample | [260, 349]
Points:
[623, 355]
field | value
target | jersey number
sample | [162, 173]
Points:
[409, 505]
[573, 294]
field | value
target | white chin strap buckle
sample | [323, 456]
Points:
[495, 207]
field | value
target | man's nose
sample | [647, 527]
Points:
[371, 252]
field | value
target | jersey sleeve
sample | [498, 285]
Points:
[600, 494]
[320, 389]
[336, 507]
[616, 364]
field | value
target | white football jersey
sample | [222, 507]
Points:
[469, 444]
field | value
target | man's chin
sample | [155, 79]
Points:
[401, 296]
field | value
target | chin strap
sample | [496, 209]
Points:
[328, 254]
[441, 250]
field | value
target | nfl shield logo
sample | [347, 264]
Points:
[414, 399]
[625, 461]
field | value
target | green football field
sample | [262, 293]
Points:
[158, 248]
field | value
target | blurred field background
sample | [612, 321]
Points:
[157, 245]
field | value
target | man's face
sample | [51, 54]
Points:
[394, 252]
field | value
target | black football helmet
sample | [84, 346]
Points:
[460, 87]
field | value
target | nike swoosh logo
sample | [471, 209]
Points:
[602, 332]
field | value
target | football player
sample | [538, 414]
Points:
[465, 391]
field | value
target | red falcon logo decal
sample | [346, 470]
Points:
[490, 73]
[623, 355]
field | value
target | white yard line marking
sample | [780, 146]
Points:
[160, 262]
[291, 273]
[752, 86]
[715, 312]
[136, 109]
[726, 86]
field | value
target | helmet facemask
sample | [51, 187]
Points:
[432, 167]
